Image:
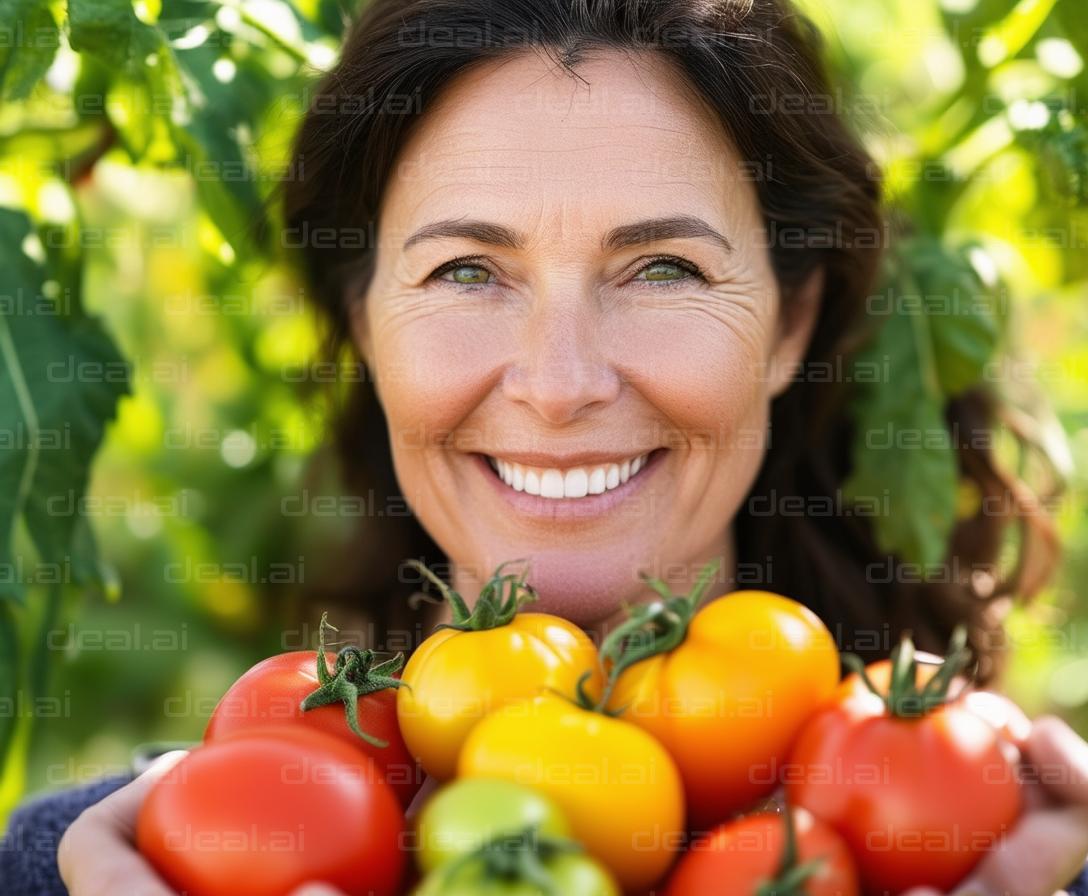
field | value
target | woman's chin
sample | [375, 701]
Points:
[583, 586]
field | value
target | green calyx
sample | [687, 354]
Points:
[355, 674]
[790, 877]
[516, 856]
[904, 698]
[492, 609]
[651, 629]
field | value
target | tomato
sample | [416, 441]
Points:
[917, 784]
[492, 835]
[729, 699]
[618, 787]
[487, 659]
[262, 812]
[465, 814]
[740, 857]
[271, 693]
[569, 875]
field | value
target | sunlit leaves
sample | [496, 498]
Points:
[942, 326]
[110, 30]
[1062, 148]
[59, 383]
[29, 46]
[965, 318]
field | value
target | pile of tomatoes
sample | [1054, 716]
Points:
[703, 751]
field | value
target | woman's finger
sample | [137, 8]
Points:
[1057, 757]
[997, 709]
[316, 889]
[1045, 851]
[97, 855]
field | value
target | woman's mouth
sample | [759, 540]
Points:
[574, 482]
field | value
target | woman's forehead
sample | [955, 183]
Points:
[524, 134]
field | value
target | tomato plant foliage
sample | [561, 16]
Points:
[214, 89]
[134, 83]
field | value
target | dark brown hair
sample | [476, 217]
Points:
[735, 54]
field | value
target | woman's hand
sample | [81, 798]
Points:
[97, 855]
[1049, 842]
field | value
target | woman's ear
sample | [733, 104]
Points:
[798, 319]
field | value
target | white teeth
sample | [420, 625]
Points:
[597, 481]
[532, 483]
[574, 483]
[551, 484]
[612, 477]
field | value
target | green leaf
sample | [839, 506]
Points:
[60, 381]
[227, 186]
[904, 473]
[943, 326]
[27, 53]
[966, 319]
[102, 27]
[109, 30]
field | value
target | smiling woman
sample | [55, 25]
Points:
[612, 316]
[597, 263]
[597, 258]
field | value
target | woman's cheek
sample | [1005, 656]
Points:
[434, 370]
[702, 373]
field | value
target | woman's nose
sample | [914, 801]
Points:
[562, 365]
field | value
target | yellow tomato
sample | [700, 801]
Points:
[618, 787]
[457, 678]
[728, 702]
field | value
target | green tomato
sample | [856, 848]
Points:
[468, 812]
[571, 875]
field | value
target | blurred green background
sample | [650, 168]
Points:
[975, 108]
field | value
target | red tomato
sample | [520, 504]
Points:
[739, 857]
[263, 812]
[919, 798]
[1006, 717]
[271, 692]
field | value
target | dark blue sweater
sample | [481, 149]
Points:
[28, 851]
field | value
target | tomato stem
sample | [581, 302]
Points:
[354, 675]
[491, 609]
[516, 856]
[790, 877]
[650, 629]
[904, 698]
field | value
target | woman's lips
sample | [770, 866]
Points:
[561, 508]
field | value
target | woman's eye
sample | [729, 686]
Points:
[469, 273]
[666, 271]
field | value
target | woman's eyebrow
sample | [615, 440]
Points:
[478, 231]
[671, 228]
[646, 231]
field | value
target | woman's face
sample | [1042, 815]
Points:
[570, 285]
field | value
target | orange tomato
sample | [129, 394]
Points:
[728, 702]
